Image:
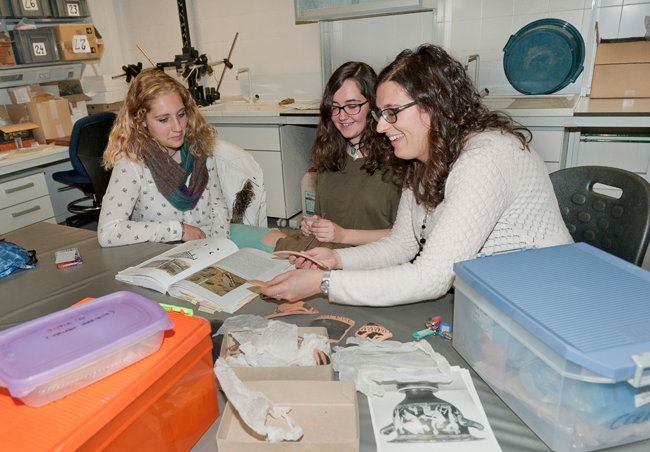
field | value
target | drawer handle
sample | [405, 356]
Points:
[25, 212]
[22, 187]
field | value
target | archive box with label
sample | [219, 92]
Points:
[562, 335]
[69, 8]
[34, 46]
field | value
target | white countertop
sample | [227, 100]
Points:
[20, 159]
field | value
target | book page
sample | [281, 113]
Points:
[178, 263]
[224, 285]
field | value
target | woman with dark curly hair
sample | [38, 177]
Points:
[471, 185]
[355, 187]
[164, 185]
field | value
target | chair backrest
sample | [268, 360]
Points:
[92, 141]
[619, 226]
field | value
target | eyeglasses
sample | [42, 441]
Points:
[350, 109]
[390, 114]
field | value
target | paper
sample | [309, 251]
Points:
[423, 417]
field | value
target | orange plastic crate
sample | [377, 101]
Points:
[163, 403]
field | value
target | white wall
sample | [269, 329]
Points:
[284, 58]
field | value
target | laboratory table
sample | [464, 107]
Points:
[27, 294]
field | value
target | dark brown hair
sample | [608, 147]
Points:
[329, 151]
[441, 87]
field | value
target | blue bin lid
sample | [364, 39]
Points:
[591, 307]
[544, 56]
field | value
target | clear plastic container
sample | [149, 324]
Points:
[55, 355]
[527, 327]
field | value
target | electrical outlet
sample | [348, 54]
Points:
[70, 74]
[43, 75]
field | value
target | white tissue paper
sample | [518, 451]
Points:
[239, 322]
[375, 362]
[253, 407]
[276, 346]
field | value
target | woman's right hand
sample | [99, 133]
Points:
[192, 233]
[327, 256]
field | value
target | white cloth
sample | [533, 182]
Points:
[497, 197]
[235, 167]
[134, 211]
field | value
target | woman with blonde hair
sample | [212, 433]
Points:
[164, 185]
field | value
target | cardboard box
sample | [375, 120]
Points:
[53, 117]
[108, 97]
[23, 94]
[313, 373]
[98, 108]
[621, 70]
[72, 91]
[6, 53]
[78, 42]
[103, 83]
[326, 410]
[15, 135]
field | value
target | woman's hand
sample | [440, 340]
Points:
[306, 224]
[327, 231]
[294, 285]
[192, 233]
[327, 256]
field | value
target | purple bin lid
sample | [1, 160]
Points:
[45, 348]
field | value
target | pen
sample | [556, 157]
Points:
[323, 215]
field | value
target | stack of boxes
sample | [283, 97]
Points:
[107, 94]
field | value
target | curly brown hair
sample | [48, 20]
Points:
[129, 136]
[441, 87]
[329, 150]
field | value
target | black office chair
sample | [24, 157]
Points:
[619, 226]
[87, 144]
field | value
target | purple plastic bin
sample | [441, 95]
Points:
[55, 355]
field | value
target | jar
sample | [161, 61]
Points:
[422, 417]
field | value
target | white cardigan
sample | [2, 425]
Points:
[497, 197]
[236, 166]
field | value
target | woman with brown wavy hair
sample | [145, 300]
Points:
[471, 185]
[355, 189]
[164, 185]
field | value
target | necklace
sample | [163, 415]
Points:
[423, 239]
[354, 148]
[175, 152]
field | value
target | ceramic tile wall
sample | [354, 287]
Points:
[622, 18]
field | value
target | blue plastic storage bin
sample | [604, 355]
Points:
[562, 335]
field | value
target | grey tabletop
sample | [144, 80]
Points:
[28, 294]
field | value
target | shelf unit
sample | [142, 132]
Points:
[26, 74]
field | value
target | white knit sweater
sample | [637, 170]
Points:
[497, 197]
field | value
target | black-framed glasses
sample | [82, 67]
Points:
[350, 109]
[390, 114]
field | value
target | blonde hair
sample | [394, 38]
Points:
[129, 135]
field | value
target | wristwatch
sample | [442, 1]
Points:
[325, 285]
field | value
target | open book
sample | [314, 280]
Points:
[211, 273]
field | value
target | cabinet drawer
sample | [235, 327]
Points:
[252, 138]
[548, 142]
[30, 212]
[625, 152]
[24, 189]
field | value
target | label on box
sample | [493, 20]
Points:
[80, 44]
[73, 9]
[30, 5]
[21, 95]
[642, 398]
[39, 48]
